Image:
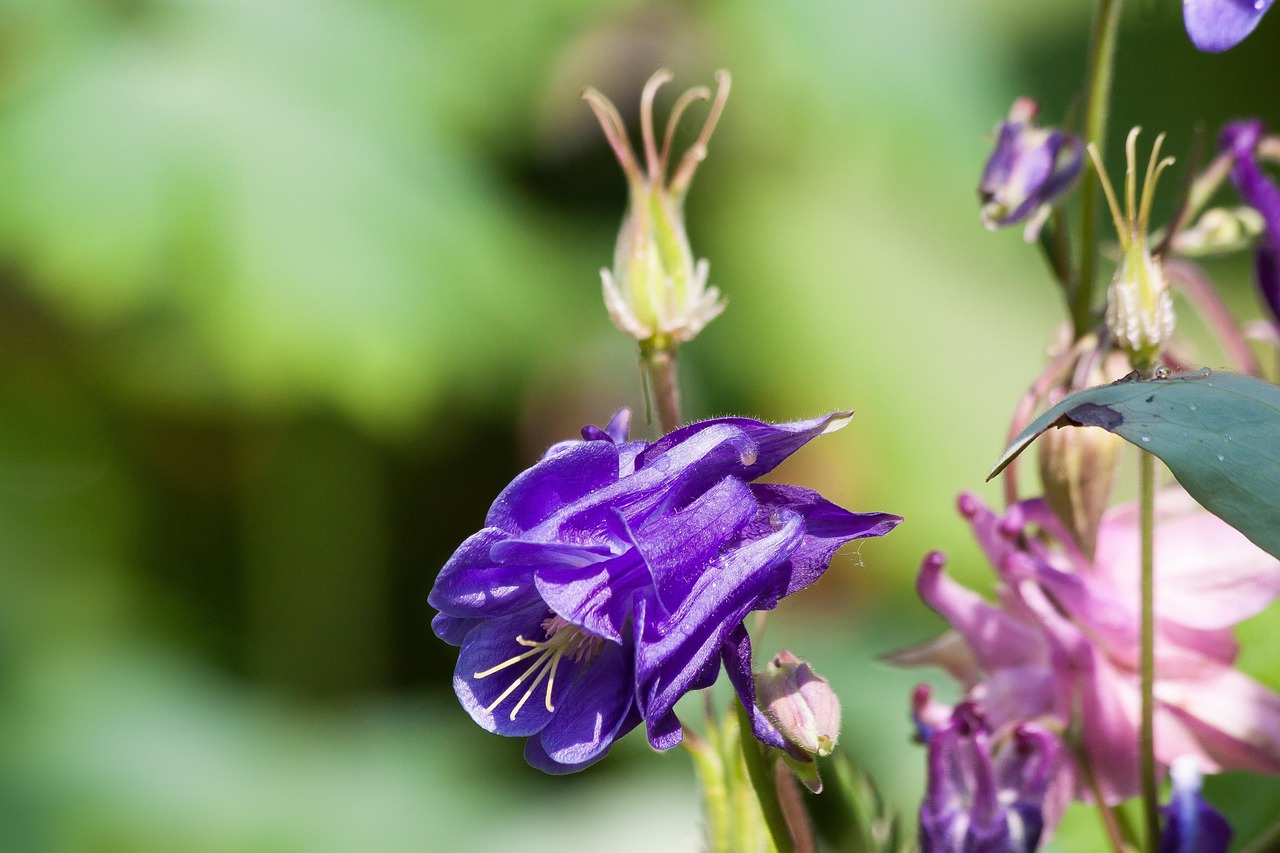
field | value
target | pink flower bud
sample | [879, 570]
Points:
[800, 704]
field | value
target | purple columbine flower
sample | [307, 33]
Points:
[613, 577]
[1030, 167]
[1216, 25]
[984, 797]
[1191, 824]
[1240, 139]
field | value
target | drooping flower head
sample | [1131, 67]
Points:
[655, 288]
[1030, 167]
[614, 576]
[1216, 25]
[1191, 824]
[1060, 643]
[1241, 140]
[1139, 306]
[986, 795]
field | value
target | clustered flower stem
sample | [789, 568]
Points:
[1150, 791]
[1102, 50]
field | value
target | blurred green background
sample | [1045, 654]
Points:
[289, 289]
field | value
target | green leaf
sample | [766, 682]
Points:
[1219, 433]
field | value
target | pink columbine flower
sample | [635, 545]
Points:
[1060, 645]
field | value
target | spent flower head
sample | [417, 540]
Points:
[656, 290]
[1139, 305]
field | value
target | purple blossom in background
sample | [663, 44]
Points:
[613, 577]
[1216, 25]
[1191, 824]
[984, 796]
[1240, 139]
[1060, 644]
[1030, 167]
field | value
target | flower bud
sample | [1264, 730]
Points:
[656, 289]
[1219, 230]
[1078, 469]
[1030, 167]
[800, 704]
[1139, 307]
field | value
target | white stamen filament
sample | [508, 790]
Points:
[562, 638]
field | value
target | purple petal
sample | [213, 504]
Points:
[536, 755]
[665, 731]
[672, 651]
[679, 547]
[491, 643]
[453, 630]
[1216, 25]
[577, 470]
[597, 596]
[590, 713]
[1241, 139]
[761, 447]
[826, 528]
[681, 474]
[736, 654]
[1266, 270]
[471, 585]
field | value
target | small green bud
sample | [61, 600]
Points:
[800, 704]
[1218, 231]
[656, 289]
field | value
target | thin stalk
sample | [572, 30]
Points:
[1150, 792]
[715, 792]
[1055, 243]
[1102, 50]
[1106, 813]
[762, 780]
[658, 361]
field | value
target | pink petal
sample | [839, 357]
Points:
[1235, 719]
[995, 638]
[1208, 575]
[948, 652]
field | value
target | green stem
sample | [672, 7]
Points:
[658, 361]
[1102, 51]
[1055, 243]
[1150, 793]
[760, 773]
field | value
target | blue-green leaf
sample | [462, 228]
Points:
[1219, 433]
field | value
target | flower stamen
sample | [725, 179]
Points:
[563, 639]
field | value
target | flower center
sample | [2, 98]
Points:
[562, 640]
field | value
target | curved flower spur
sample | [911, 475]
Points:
[613, 577]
